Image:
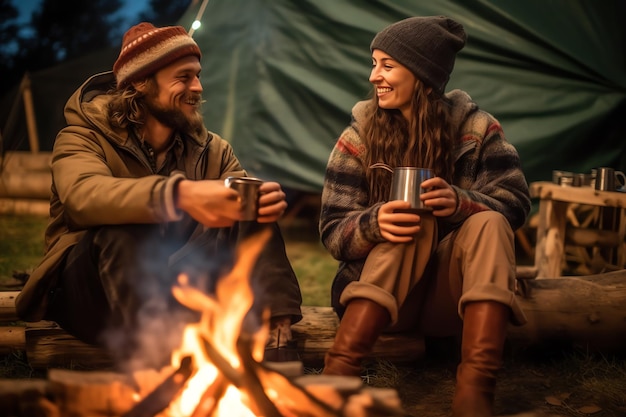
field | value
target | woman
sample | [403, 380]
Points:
[441, 272]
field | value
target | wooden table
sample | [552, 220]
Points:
[551, 230]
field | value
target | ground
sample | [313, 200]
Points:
[558, 381]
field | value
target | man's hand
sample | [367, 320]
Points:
[397, 226]
[272, 202]
[209, 202]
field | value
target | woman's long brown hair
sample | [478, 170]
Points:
[427, 141]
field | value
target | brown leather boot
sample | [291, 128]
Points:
[484, 333]
[360, 326]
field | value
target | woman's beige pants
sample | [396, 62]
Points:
[425, 284]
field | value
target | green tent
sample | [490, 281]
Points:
[281, 76]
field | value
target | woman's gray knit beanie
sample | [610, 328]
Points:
[427, 46]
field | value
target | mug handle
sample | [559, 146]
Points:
[621, 178]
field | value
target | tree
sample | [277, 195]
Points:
[8, 35]
[59, 31]
[165, 12]
[67, 29]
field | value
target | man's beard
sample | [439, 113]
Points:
[174, 117]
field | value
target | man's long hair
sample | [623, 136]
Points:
[427, 141]
[127, 107]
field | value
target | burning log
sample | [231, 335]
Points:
[329, 396]
[260, 403]
[210, 398]
[159, 399]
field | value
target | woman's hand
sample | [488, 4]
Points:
[395, 225]
[441, 197]
[272, 202]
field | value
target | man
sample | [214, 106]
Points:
[138, 197]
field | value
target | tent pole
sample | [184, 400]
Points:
[31, 123]
[199, 15]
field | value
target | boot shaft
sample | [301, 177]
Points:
[482, 346]
[360, 326]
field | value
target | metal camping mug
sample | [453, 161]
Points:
[406, 185]
[606, 179]
[562, 177]
[248, 189]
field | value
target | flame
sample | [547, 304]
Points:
[227, 377]
[220, 325]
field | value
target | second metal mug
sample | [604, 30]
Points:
[406, 185]
[248, 189]
[606, 179]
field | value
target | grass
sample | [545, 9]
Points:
[313, 265]
[21, 244]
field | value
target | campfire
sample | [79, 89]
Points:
[219, 371]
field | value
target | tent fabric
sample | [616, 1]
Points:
[281, 76]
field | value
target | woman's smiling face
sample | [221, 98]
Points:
[394, 83]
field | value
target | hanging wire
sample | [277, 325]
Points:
[198, 17]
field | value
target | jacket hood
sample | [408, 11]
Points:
[88, 107]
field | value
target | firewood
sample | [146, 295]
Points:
[25, 161]
[592, 237]
[91, 393]
[211, 397]
[25, 206]
[289, 369]
[33, 184]
[164, 393]
[259, 402]
[292, 396]
[349, 393]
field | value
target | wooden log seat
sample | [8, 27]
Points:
[48, 345]
[588, 310]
